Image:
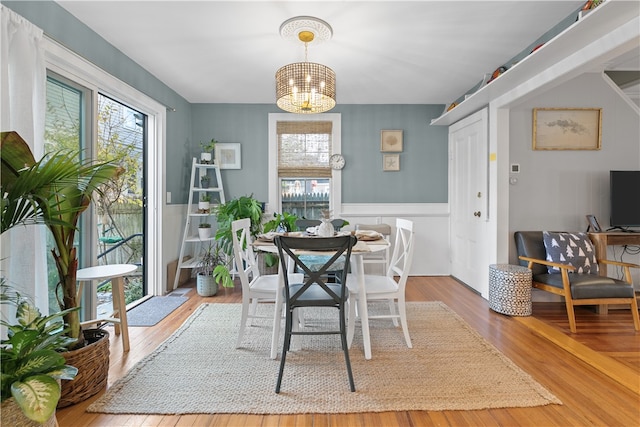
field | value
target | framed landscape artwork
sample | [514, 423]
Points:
[228, 155]
[391, 141]
[567, 128]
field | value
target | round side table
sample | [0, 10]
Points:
[115, 272]
[510, 289]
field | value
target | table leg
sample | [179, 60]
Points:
[357, 264]
[277, 315]
[120, 311]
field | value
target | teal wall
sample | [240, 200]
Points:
[423, 163]
[421, 179]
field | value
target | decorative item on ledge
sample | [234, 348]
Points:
[306, 87]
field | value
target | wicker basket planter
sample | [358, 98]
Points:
[13, 416]
[92, 362]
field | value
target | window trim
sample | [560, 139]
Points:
[335, 199]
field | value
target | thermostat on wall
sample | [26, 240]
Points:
[515, 168]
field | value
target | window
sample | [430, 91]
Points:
[300, 178]
[304, 148]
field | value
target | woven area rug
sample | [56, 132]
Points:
[199, 370]
[154, 310]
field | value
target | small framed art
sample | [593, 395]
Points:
[391, 162]
[391, 141]
[228, 155]
[567, 128]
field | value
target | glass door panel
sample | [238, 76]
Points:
[120, 209]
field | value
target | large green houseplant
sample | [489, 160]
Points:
[55, 191]
[31, 363]
[226, 213]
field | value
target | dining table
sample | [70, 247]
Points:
[368, 242]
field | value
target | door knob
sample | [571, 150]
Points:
[477, 214]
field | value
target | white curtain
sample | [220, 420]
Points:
[22, 85]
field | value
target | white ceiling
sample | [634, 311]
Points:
[383, 52]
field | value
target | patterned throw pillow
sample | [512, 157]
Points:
[570, 248]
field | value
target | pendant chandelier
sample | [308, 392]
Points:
[306, 87]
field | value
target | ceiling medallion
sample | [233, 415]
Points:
[306, 87]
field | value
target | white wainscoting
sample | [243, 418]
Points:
[431, 226]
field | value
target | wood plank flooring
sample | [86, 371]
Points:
[599, 388]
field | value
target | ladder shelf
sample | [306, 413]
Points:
[196, 216]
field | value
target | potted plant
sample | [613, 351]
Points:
[207, 155]
[204, 203]
[211, 270]
[204, 230]
[55, 191]
[283, 222]
[226, 213]
[31, 362]
[204, 181]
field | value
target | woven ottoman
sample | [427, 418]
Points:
[510, 289]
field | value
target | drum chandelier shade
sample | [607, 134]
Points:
[306, 87]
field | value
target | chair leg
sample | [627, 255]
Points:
[352, 320]
[345, 348]
[571, 314]
[634, 314]
[254, 307]
[392, 311]
[285, 348]
[402, 308]
[243, 321]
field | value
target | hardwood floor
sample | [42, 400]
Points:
[599, 388]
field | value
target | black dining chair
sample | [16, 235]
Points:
[315, 291]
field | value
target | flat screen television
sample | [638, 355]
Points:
[625, 198]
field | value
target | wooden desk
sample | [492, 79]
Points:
[611, 238]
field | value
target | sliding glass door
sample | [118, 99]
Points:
[78, 118]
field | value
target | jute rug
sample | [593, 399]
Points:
[199, 370]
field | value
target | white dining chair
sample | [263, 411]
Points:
[256, 288]
[378, 258]
[386, 287]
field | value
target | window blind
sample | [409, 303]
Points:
[304, 148]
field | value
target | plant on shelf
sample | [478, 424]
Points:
[204, 181]
[31, 359]
[212, 270]
[208, 148]
[205, 198]
[204, 230]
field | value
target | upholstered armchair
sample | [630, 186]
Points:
[565, 264]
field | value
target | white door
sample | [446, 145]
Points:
[468, 163]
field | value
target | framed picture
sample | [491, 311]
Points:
[391, 141]
[567, 128]
[391, 162]
[593, 224]
[228, 155]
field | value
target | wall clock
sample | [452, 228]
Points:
[336, 161]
